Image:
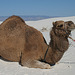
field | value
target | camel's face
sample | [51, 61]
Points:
[70, 25]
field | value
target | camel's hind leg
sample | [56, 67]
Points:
[35, 64]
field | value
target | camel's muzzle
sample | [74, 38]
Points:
[71, 27]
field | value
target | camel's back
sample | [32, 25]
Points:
[14, 18]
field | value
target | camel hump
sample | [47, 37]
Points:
[13, 22]
[14, 18]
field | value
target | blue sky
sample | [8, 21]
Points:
[37, 7]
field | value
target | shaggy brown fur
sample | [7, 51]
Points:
[22, 43]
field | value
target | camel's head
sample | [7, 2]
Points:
[62, 28]
[68, 25]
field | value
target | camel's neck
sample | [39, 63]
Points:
[57, 47]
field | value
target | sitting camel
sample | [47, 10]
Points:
[22, 43]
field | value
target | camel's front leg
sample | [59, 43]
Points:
[35, 64]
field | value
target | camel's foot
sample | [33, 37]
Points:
[57, 63]
[36, 64]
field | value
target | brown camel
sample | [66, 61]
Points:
[22, 43]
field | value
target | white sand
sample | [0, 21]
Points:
[66, 65]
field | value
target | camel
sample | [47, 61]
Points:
[26, 45]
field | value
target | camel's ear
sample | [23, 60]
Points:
[53, 24]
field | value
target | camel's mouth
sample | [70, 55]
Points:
[71, 28]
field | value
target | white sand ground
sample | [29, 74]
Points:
[66, 65]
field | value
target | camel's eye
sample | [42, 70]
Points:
[60, 25]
